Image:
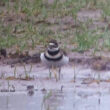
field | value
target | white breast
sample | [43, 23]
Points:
[59, 63]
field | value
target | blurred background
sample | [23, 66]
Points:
[80, 25]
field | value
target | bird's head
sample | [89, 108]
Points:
[53, 45]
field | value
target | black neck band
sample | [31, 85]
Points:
[53, 59]
[53, 52]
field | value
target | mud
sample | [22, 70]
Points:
[96, 62]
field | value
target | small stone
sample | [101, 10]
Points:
[12, 90]
[30, 87]
[3, 52]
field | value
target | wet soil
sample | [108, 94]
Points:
[96, 62]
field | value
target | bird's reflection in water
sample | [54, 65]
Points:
[52, 100]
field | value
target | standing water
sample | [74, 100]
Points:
[79, 89]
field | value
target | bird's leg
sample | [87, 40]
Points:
[50, 73]
[54, 68]
[59, 71]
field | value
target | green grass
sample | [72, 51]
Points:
[29, 26]
[85, 40]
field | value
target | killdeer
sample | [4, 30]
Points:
[54, 57]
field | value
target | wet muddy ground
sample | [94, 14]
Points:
[29, 87]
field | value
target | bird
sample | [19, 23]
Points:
[54, 57]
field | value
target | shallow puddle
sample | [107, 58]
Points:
[55, 100]
[80, 88]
